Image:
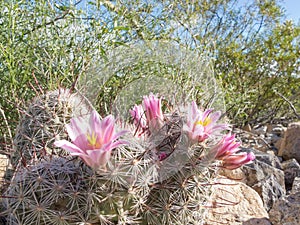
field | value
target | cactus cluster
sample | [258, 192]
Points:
[161, 174]
[54, 191]
[43, 122]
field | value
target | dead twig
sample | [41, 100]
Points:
[290, 104]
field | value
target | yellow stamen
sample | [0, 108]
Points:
[204, 123]
[92, 139]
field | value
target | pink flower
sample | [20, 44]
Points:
[148, 116]
[227, 146]
[92, 139]
[139, 118]
[200, 125]
[225, 151]
[235, 161]
[154, 114]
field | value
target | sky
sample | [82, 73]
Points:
[292, 9]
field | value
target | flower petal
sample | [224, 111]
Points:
[95, 122]
[97, 158]
[67, 146]
[214, 117]
[77, 126]
[82, 142]
[109, 129]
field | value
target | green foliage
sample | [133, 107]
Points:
[43, 45]
[262, 73]
[47, 44]
[256, 51]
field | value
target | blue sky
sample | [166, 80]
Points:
[292, 9]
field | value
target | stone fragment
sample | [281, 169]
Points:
[290, 146]
[291, 170]
[237, 174]
[286, 211]
[247, 128]
[296, 185]
[277, 129]
[270, 190]
[234, 203]
[272, 138]
[260, 130]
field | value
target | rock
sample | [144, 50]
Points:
[257, 221]
[270, 190]
[260, 130]
[237, 174]
[234, 203]
[272, 138]
[277, 145]
[265, 176]
[277, 129]
[286, 211]
[290, 146]
[291, 170]
[270, 152]
[262, 157]
[247, 128]
[296, 185]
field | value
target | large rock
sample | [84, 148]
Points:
[286, 211]
[290, 145]
[265, 176]
[234, 203]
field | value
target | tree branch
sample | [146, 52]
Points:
[290, 104]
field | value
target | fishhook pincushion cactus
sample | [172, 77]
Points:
[44, 121]
[158, 172]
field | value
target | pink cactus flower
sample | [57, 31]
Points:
[227, 146]
[148, 116]
[139, 119]
[226, 151]
[200, 125]
[154, 114]
[92, 139]
[235, 161]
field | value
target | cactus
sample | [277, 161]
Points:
[135, 188]
[63, 190]
[162, 175]
[54, 191]
[43, 122]
[181, 191]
